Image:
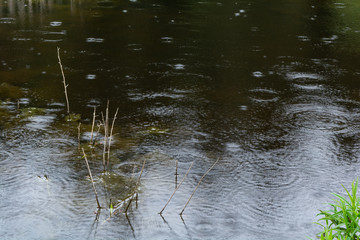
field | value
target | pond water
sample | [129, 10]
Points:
[269, 88]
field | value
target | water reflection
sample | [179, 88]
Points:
[271, 89]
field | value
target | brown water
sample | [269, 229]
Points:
[271, 88]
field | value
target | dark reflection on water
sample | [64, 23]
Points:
[270, 88]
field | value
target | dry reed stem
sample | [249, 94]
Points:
[198, 185]
[176, 188]
[92, 127]
[63, 76]
[97, 132]
[110, 137]
[106, 131]
[92, 180]
[79, 134]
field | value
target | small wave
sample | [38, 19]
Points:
[55, 24]
[135, 47]
[263, 95]
[303, 75]
[7, 20]
[94, 40]
[315, 116]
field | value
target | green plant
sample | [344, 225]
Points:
[342, 221]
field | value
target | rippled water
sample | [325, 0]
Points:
[271, 89]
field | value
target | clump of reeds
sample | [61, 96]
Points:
[108, 135]
[133, 196]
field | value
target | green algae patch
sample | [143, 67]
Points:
[72, 117]
[154, 131]
[31, 111]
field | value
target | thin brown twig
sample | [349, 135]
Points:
[176, 188]
[110, 137]
[106, 133]
[198, 186]
[65, 85]
[79, 134]
[92, 127]
[92, 180]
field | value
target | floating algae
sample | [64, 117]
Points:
[31, 111]
[73, 117]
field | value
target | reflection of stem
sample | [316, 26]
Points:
[47, 186]
[182, 219]
[138, 181]
[198, 186]
[176, 188]
[95, 223]
[65, 86]
[132, 229]
[142, 169]
[176, 174]
[92, 180]
[128, 206]
[97, 215]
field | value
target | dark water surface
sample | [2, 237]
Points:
[271, 88]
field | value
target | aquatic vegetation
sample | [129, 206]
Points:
[72, 117]
[108, 134]
[153, 131]
[31, 111]
[342, 221]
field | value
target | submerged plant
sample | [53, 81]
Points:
[31, 111]
[342, 221]
[72, 117]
